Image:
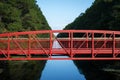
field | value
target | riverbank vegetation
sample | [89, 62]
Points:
[102, 15]
[21, 15]
[17, 16]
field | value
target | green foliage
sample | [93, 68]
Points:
[12, 27]
[102, 15]
[21, 15]
[2, 27]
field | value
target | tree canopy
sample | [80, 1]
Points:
[21, 15]
[102, 15]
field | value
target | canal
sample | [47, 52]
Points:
[61, 69]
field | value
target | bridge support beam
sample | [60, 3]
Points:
[8, 47]
[113, 49]
[71, 44]
[51, 42]
[92, 50]
[29, 46]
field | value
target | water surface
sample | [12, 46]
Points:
[61, 69]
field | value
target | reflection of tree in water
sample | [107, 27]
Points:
[4, 70]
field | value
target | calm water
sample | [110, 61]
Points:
[61, 69]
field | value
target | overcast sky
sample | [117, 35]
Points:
[59, 13]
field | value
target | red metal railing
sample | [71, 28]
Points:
[76, 44]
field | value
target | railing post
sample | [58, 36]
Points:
[113, 49]
[92, 50]
[29, 46]
[105, 40]
[50, 50]
[87, 40]
[8, 48]
[71, 44]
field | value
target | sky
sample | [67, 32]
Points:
[60, 13]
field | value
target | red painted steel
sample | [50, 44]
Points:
[76, 44]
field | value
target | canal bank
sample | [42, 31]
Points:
[21, 70]
[93, 70]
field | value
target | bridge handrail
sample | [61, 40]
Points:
[58, 31]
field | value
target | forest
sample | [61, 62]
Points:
[25, 15]
[17, 16]
[102, 15]
[21, 15]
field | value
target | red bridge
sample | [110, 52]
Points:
[76, 44]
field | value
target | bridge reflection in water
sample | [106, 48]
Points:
[77, 44]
